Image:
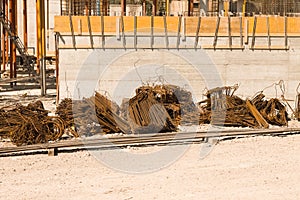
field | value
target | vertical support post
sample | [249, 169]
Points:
[135, 31]
[178, 32]
[216, 32]
[268, 32]
[241, 32]
[86, 8]
[144, 7]
[197, 32]
[190, 7]
[166, 32]
[154, 8]
[25, 33]
[244, 8]
[123, 7]
[38, 38]
[48, 25]
[229, 32]
[253, 32]
[40, 7]
[1, 41]
[246, 30]
[152, 31]
[13, 53]
[167, 7]
[72, 31]
[183, 29]
[106, 8]
[102, 31]
[4, 37]
[285, 32]
[123, 32]
[226, 7]
[43, 36]
[57, 65]
[90, 32]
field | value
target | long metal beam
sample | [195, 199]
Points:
[149, 139]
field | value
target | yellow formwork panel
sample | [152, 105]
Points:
[293, 26]
[61, 24]
[172, 24]
[144, 24]
[207, 28]
[191, 25]
[261, 26]
[237, 25]
[110, 24]
[276, 25]
[223, 27]
[158, 24]
[128, 24]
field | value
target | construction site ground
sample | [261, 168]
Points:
[260, 167]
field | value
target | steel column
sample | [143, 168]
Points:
[154, 7]
[38, 39]
[4, 37]
[190, 7]
[123, 7]
[41, 43]
[167, 7]
[25, 33]
[144, 7]
[13, 53]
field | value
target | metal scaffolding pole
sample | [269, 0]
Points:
[154, 7]
[25, 33]
[167, 7]
[13, 50]
[190, 7]
[123, 7]
[4, 37]
[41, 43]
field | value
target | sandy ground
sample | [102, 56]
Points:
[249, 168]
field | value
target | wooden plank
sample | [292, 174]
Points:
[256, 114]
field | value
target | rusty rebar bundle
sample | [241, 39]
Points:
[30, 124]
[160, 108]
[222, 107]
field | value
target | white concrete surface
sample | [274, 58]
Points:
[84, 71]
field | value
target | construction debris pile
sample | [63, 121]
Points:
[222, 107]
[29, 124]
[160, 108]
[77, 115]
[93, 115]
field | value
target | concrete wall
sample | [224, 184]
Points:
[120, 72]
